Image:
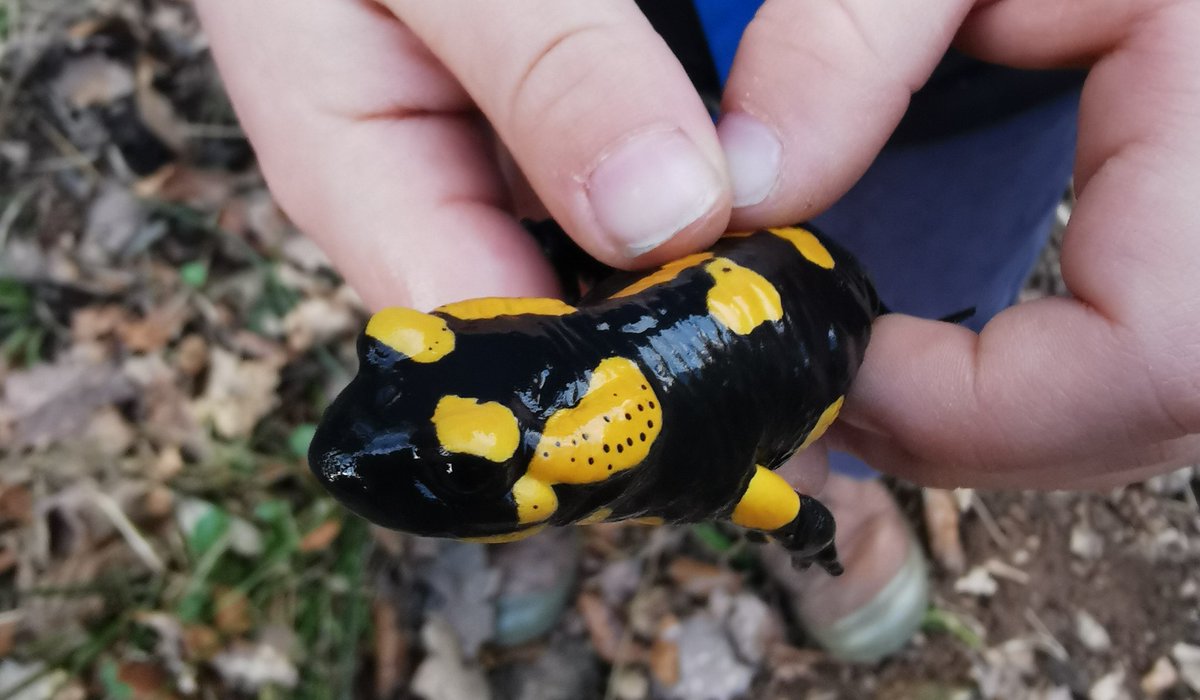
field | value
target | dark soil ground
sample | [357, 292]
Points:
[167, 342]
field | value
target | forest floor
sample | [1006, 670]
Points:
[167, 343]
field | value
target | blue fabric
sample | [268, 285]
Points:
[723, 22]
[945, 224]
[957, 223]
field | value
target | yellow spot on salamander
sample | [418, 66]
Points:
[824, 421]
[652, 520]
[768, 504]
[536, 501]
[596, 516]
[423, 337]
[666, 273]
[808, 245]
[739, 234]
[506, 537]
[741, 299]
[465, 426]
[491, 307]
[609, 431]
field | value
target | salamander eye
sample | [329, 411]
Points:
[466, 475]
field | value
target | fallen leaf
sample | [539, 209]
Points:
[699, 578]
[321, 536]
[51, 402]
[200, 642]
[93, 79]
[152, 332]
[1160, 678]
[664, 661]
[239, 393]
[250, 668]
[443, 674]
[942, 524]
[391, 650]
[231, 612]
[94, 322]
[191, 356]
[16, 504]
[602, 626]
[316, 321]
[146, 680]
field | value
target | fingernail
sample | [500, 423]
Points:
[753, 154]
[651, 187]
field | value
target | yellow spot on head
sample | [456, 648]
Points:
[768, 504]
[824, 421]
[535, 500]
[423, 337]
[465, 426]
[506, 537]
[609, 431]
[666, 273]
[491, 307]
[741, 299]
[808, 244]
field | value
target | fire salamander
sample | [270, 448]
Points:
[669, 395]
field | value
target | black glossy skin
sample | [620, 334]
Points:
[729, 401]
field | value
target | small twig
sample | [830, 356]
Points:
[14, 208]
[68, 149]
[139, 544]
[1046, 637]
[989, 523]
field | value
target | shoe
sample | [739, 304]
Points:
[877, 606]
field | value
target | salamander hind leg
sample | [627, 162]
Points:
[802, 524]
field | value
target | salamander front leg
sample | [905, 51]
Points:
[802, 524]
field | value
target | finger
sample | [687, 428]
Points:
[1029, 33]
[1124, 464]
[1074, 386]
[373, 149]
[807, 470]
[815, 91]
[597, 112]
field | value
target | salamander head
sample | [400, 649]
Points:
[397, 449]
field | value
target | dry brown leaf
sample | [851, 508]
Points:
[93, 80]
[239, 393]
[231, 612]
[941, 522]
[191, 357]
[168, 416]
[200, 642]
[94, 322]
[664, 661]
[156, 111]
[701, 578]
[320, 536]
[206, 190]
[109, 433]
[8, 559]
[8, 632]
[148, 681]
[50, 402]
[392, 647]
[316, 321]
[16, 504]
[603, 628]
[152, 332]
